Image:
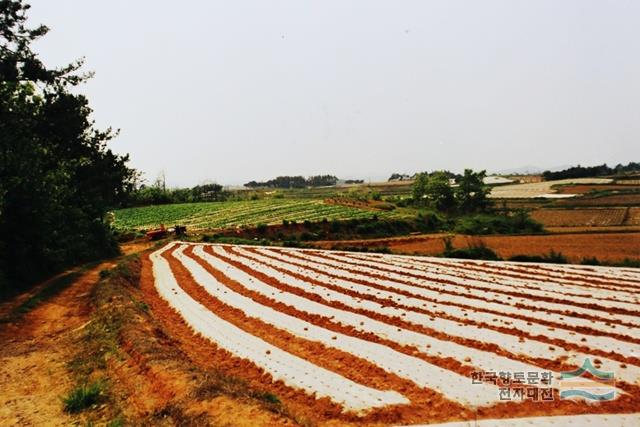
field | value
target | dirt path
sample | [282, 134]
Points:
[151, 381]
[34, 350]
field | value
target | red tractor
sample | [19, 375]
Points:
[157, 233]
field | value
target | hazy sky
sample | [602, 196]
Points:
[239, 90]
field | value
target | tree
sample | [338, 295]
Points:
[57, 177]
[208, 192]
[471, 193]
[434, 189]
[439, 191]
[398, 177]
[419, 187]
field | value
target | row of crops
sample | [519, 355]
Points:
[238, 213]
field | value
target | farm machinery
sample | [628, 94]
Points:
[159, 233]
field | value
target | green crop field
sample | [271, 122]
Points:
[200, 216]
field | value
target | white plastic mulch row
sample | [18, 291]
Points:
[527, 292]
[479, 359]
[508, 342]
[602, 342]
[492, 277]
[575, 275]
[591, 420]
[292, 370]
[569, 282]
[452, 385]
[563, 273]
[339, 261]
[622, 274]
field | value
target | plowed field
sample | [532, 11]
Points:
[389, 339]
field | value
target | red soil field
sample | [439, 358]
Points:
[613, 200]
[604, 246]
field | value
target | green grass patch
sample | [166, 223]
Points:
[100, 339]
[83, 397]
[497, 224]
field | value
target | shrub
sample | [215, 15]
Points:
[590, 261]
[293, 243]
[430, 221]
[627, 262]
[473, 252]
[447, 241]
[403, 203]
[269, 398]
[552, 257]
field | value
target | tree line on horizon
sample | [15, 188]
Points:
[287, 182]
[407, 177]
[571, 172]
[158, 194]
[591, 171]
